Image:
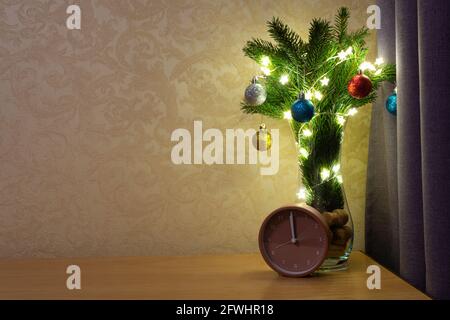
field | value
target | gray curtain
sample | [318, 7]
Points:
[408, 183]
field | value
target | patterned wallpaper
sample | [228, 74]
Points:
[86, 118]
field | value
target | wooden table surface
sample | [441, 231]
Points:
[199, 277]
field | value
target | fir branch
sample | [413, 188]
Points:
[256, 48]
[358, 37]
[319, 33]
[287, 39]
[341, 24]
[388, 73]
[320, 38]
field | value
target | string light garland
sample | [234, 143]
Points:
[325, 174]
[266, 71]
[301, 194]
[284, 79]
[352, 112]
[325, 81]
[304, 152]
[265, 61]
[336, 168]
[315, 94]
[379, 61]
[318, 95]
[344, 54]
[367, 66]
[287, 115]
[307, 133]
[340, 119]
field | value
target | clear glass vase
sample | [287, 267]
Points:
[322, 184]
[340, 247]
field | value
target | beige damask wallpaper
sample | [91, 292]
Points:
[86, 118]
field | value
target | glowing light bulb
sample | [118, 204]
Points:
[308, 95]
[301, 194]
[352, 112]
[340, 120]
[307, 133]
[339, 179]
[284, 79]
[265, 61]
[318, 95]
[325, 174]
[336, 168]
[342, 55]
[379, 61]
[325, 82]
[304, 153]
[287, 115]
[367, 66]
[266, 71]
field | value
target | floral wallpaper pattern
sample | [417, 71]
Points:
[86, 117]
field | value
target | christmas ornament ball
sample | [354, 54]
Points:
[302, 110]
[391, 104]
[262, 140]
[359, 86]
[255, 94]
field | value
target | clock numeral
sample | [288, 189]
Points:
[295, 266]
[308, 262]
[283, 261]
[317, 252]
[273, 252]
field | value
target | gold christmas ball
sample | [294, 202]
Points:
[262, 140]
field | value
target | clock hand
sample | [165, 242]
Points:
[287, 242]
[283, 244]
[293, 236]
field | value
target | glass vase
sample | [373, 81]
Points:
[340, 247]
[319, 155]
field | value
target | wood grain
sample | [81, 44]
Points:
[200, 277]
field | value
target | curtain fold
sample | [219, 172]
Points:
[411, 239]
[434, 68]
[382, 199]
[409, 155]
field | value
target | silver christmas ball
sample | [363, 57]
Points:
[255, 95]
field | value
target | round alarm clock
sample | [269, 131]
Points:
[294, 240]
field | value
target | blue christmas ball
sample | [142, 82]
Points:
[302, 110]
[391, 104]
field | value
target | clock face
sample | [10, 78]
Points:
[294, 240]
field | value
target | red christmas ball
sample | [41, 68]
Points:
[359, 86]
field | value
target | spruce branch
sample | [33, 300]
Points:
[287, 39]
[341, 24]
[257, 48]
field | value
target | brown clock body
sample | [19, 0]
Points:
[298, 222]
